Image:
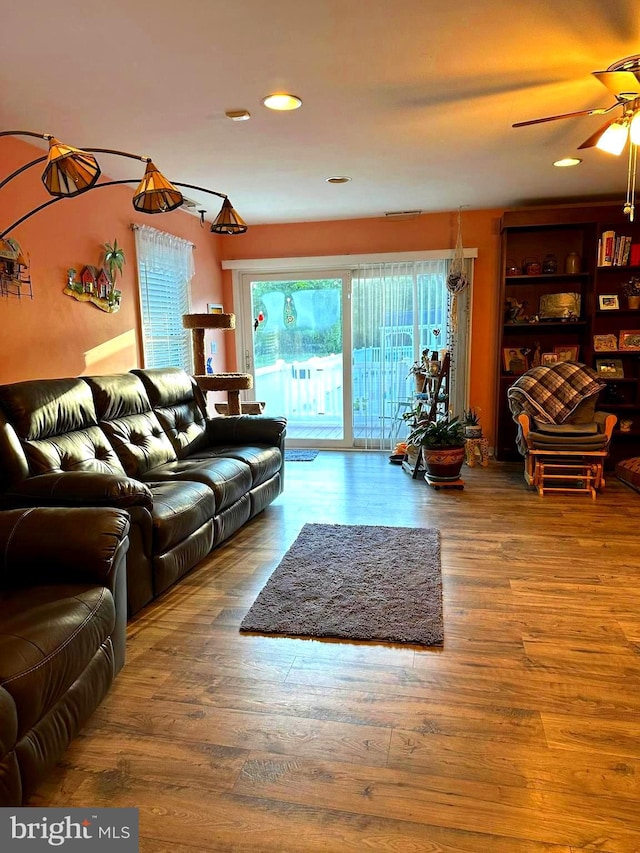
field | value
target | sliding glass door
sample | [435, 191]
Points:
[333, 351]
[298, 332]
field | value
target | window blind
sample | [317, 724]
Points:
[165, 269]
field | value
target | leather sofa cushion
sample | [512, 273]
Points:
[42, 408]
[56, 421]
[179, 509]
[179, 405]
[126, 416]
[118, 395]
[8, 723]
[263, 462]
[228, 479]
[83, 450]
[140, 442]
[48, 636]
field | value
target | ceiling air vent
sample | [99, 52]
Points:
[188, 202]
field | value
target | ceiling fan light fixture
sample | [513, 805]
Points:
[565, 162]
[634, 128]
[614, 138]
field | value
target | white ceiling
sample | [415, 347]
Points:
[414, 99]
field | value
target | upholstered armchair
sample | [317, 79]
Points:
[562, 437]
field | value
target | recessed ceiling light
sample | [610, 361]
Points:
[568, 161]
[238, 115]
[338, 179]
[282, 101]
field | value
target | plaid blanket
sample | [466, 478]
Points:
[551, 393]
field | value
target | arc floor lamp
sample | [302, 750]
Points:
[70, 171]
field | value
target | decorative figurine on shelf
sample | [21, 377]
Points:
[514, 310]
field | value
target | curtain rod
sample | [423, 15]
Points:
[135, 227]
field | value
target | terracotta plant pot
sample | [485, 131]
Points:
[443, 463]
[633, 301]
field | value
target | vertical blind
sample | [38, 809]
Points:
[165, 270]
[399, 310]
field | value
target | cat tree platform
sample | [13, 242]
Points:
[232, 383]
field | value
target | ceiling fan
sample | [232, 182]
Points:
[622, 79]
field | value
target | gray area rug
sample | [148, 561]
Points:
[355, 581]
[300, 455]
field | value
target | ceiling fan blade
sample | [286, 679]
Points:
[593, 140]
[597, 112]
[623, 84]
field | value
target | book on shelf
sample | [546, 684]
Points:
[614, 250]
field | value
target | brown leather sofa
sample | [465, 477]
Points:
[62, 632]
[140, 441]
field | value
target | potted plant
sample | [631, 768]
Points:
[631, 290]
[419, 373]
[471, 421]
[442, 445]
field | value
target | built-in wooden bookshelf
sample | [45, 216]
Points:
[570, 310]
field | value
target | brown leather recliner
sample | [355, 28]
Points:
[62, 632]
[143, 443]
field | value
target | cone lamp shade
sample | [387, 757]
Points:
[228, 221]
[69, 171]
[155, 193]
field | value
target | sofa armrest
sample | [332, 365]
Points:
[85, 488]
[247, 429]
[62, 545]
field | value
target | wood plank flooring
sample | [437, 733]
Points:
[520, 735]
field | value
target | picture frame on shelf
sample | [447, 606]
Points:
[515, 360]
[567, 353]
[629, 339]
[548, 358]
[605, 343]
[559, 306]
[214, 308]
[608, 302]
[610, 368]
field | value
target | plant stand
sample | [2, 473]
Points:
[443, 484]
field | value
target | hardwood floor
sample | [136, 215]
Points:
[521, 734]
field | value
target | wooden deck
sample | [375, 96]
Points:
[520, 735]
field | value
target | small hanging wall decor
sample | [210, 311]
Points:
[97, 284]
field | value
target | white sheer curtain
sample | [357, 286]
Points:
[399, 310]
[165, 270]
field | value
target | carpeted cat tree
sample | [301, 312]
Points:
[232, 383]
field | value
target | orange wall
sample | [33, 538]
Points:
[52, 334]
[481, 230]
